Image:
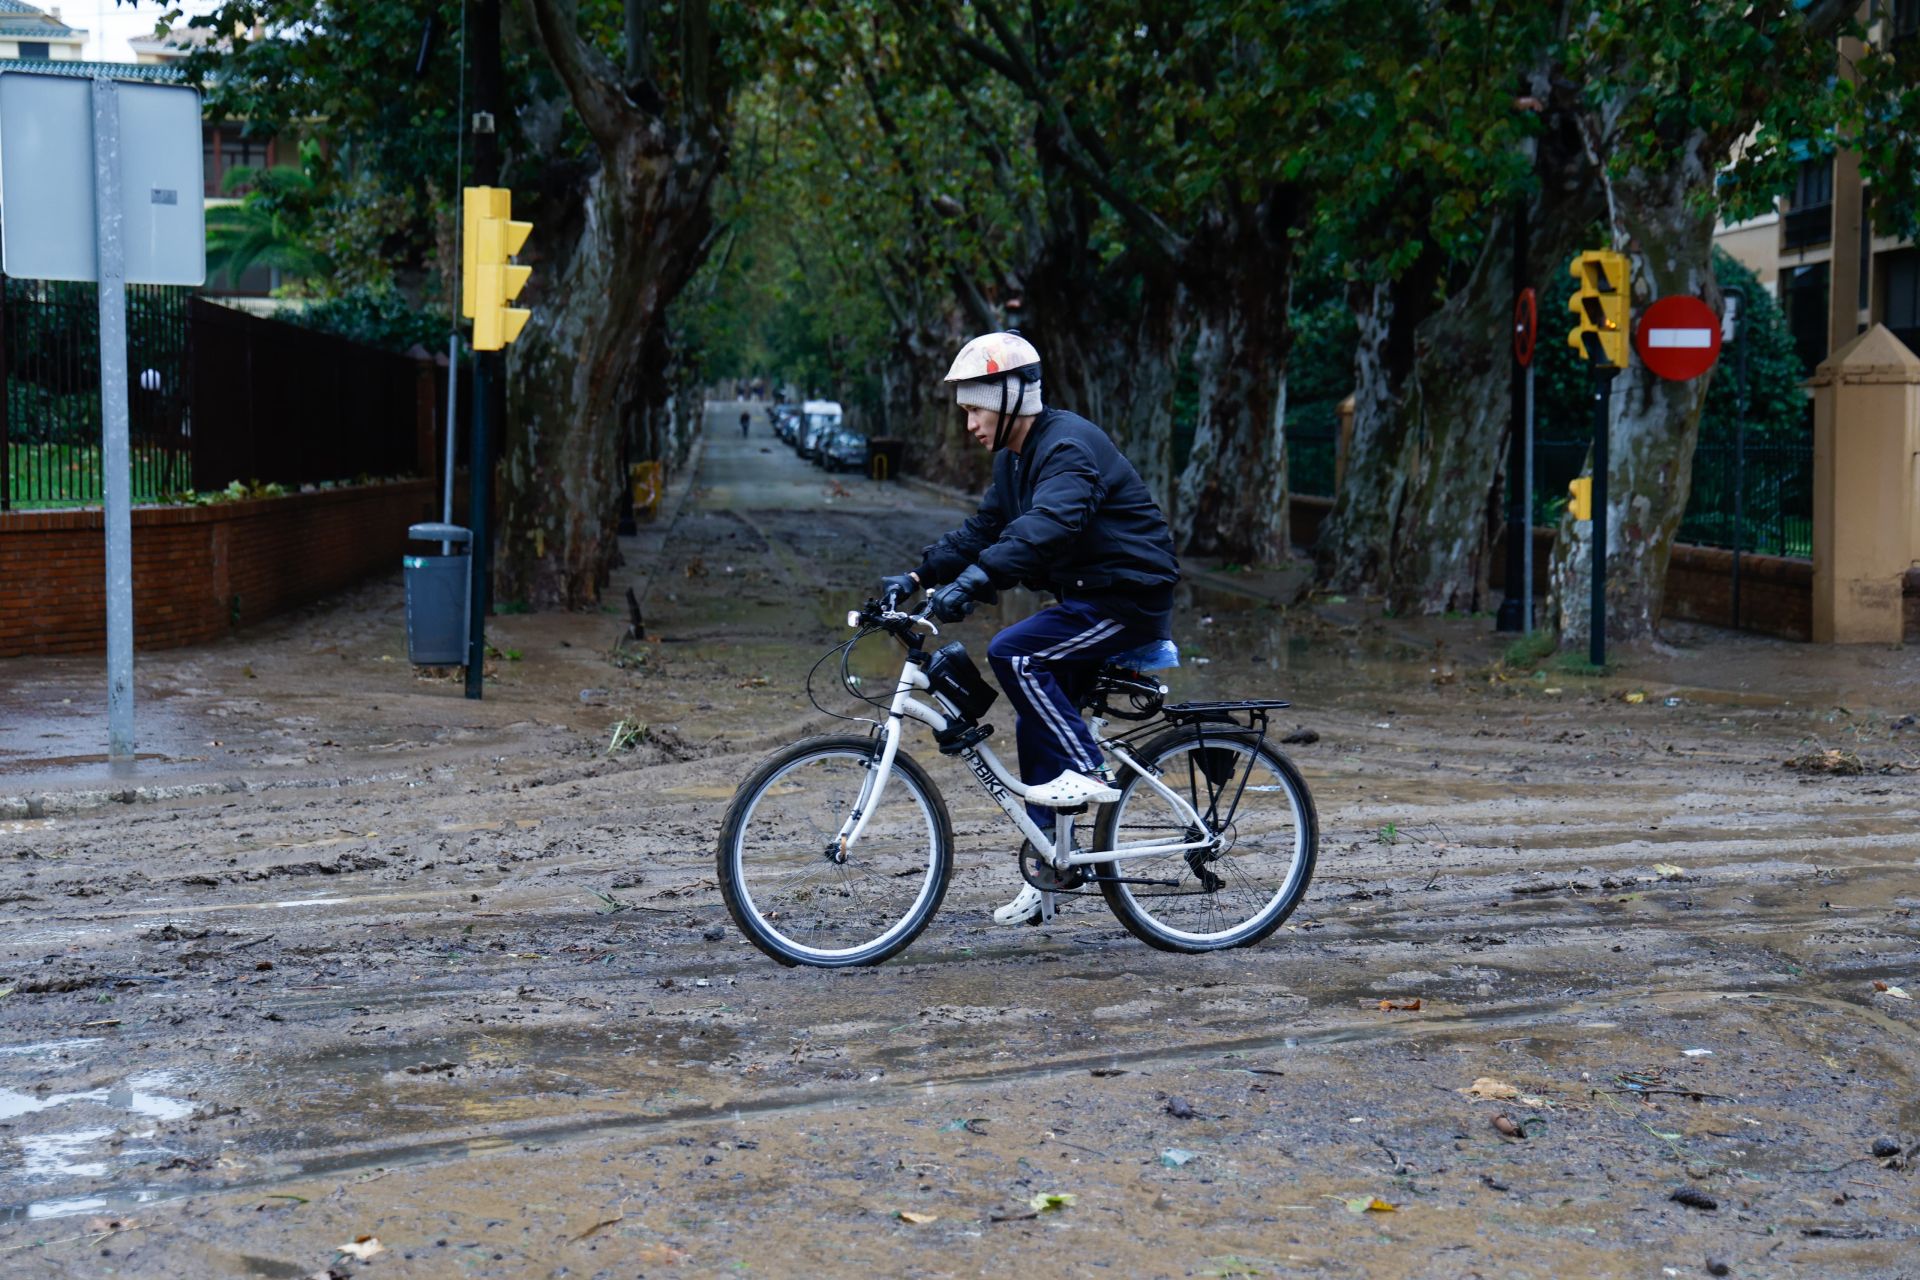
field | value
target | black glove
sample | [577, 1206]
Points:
[897, 586]
[956, 600]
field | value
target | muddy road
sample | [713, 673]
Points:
[1588, 983]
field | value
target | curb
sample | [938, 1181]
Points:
[51, 804]
[57, 804]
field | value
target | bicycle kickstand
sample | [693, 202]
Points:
[1047, 900]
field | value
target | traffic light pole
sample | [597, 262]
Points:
[1597, 608]
[480, 518]
[488, 402]
[1513, 614]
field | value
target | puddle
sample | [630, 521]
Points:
[138, 1096]
[44, 1046]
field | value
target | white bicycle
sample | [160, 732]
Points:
[837, 850]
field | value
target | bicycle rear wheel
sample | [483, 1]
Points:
[1247, 794]
[779, 866]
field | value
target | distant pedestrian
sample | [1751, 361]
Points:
[745, 422]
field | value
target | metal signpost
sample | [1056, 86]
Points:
[1679, 338]
[1526, 329]
[101, 180]
[1734, 330]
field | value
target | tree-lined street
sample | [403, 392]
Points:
[1586, 983]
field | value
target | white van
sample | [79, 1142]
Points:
[817, 419]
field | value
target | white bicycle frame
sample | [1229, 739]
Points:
[1006, 791]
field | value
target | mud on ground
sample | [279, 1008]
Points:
[1584, 986]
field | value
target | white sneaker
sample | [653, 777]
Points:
[1024, 909]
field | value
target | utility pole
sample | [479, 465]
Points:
[1733, 325]
[489, 398]
[1597, 600]
[1513, 614]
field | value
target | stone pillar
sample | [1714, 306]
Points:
[1866, 462]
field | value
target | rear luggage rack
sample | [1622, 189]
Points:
[1192, 712]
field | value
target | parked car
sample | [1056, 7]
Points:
[817, 418]
[785, 418]
[845, 450]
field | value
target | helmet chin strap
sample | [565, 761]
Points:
[1004, 421]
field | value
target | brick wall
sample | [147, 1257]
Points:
[1776, 593]
[197, 571]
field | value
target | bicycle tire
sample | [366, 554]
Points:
[1133, 911]
[758, 917]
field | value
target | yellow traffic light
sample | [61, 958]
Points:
[1601, 332]
[477, 203]
[488, 282]
[497, 282]
[1580, 497]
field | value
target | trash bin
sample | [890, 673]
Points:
[437, 596]
[885, 454]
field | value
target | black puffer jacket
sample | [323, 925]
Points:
[1070, 515]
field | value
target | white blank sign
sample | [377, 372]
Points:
[46, 180]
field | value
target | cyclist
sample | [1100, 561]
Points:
[1066, 513]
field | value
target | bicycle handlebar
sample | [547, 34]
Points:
[881, 615]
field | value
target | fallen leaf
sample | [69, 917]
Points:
[1365, 1204]
[1636, 697]
[1898, 994]
[1410, 1006]
[1667, 871]
[1104, 1072]
[917, 1219]
[1048, 1201]
[1488, 1087]
[1507, 1128]
[363, 1247]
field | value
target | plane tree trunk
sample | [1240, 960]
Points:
[647, 226]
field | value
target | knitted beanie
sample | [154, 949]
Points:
[986, 394]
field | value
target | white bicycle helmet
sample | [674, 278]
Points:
[999, 371]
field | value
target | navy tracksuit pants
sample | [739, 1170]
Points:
[1044, 664]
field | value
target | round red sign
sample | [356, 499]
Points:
[1526, 324]
[1678, 338]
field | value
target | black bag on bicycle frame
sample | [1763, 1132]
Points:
[958, 682]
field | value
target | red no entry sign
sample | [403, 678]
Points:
[1526, 327]
[1679, 338]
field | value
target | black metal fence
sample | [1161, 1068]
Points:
[1767, 498]
[214, 395]
[50, 414]
[1313, 443]
[1763, 499]
[276, 403]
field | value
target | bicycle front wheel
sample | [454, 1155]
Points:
[1254, 803]
[791, 889]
